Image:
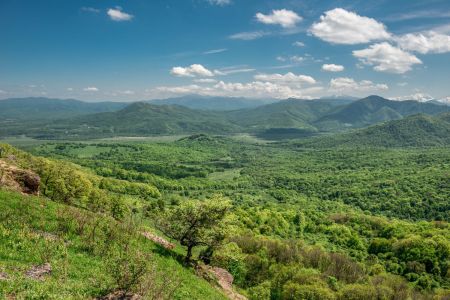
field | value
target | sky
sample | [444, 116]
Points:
[141, 49]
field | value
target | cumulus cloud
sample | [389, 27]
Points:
[254, 89]
[339, 26]
[345, 85]
[283, 17]
[421, 97]
[332, 68]
[425, 42]
[387, 58]
[288, 78]
[116, 14]
[69, 89]
[445, 100]
[191, 71]
[248, 35]
[91, 89]
[219, 2]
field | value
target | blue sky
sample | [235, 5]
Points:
[139, 49]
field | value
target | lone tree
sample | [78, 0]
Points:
[196, 223]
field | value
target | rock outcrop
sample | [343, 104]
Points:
[18, 179]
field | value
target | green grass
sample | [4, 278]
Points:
[76, 274]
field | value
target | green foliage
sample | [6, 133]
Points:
[196, 223]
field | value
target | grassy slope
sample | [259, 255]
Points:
[76, 274]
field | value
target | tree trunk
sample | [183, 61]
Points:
[187, 259]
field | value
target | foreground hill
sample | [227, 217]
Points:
[413, 131]
[45, 108]
[375, 109]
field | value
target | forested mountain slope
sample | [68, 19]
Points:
[375, 109]
[413, 131]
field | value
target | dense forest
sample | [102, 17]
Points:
[286, 220]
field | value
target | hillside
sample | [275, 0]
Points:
[413, 131]
[375, 109]
[284, 119]
[291, 113]
[212, 103]
[141, 119]
[45, 108]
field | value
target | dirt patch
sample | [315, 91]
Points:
[222, 278]
[3, 276]
[120, 295]
[159, 240]
[39, 272]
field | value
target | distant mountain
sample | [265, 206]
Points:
[291, 113]
[372, 110]
[140, 119]
[45, 108]
[213, 103]
[413, 131]
[283, 119]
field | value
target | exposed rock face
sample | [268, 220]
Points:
[29, 181]
[15, 178]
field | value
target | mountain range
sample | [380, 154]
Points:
[72, 119]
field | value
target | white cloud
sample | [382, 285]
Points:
[219, 2]
[90, 9]
[421, 97]
[3, 92]
[91, 89]
[332, 68]
[296, 58]
[205, 80]
[283, 17]
[229, 71]
[340, 26]
[288, 78]
[345, 85]
[402, 84]
[69, 89]
[191, 71]
[387, 58]
[254, 89]
[425, 42]
[116, 14]
[214, 51]
[298, 44]
[248, 35]
[445, 100]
